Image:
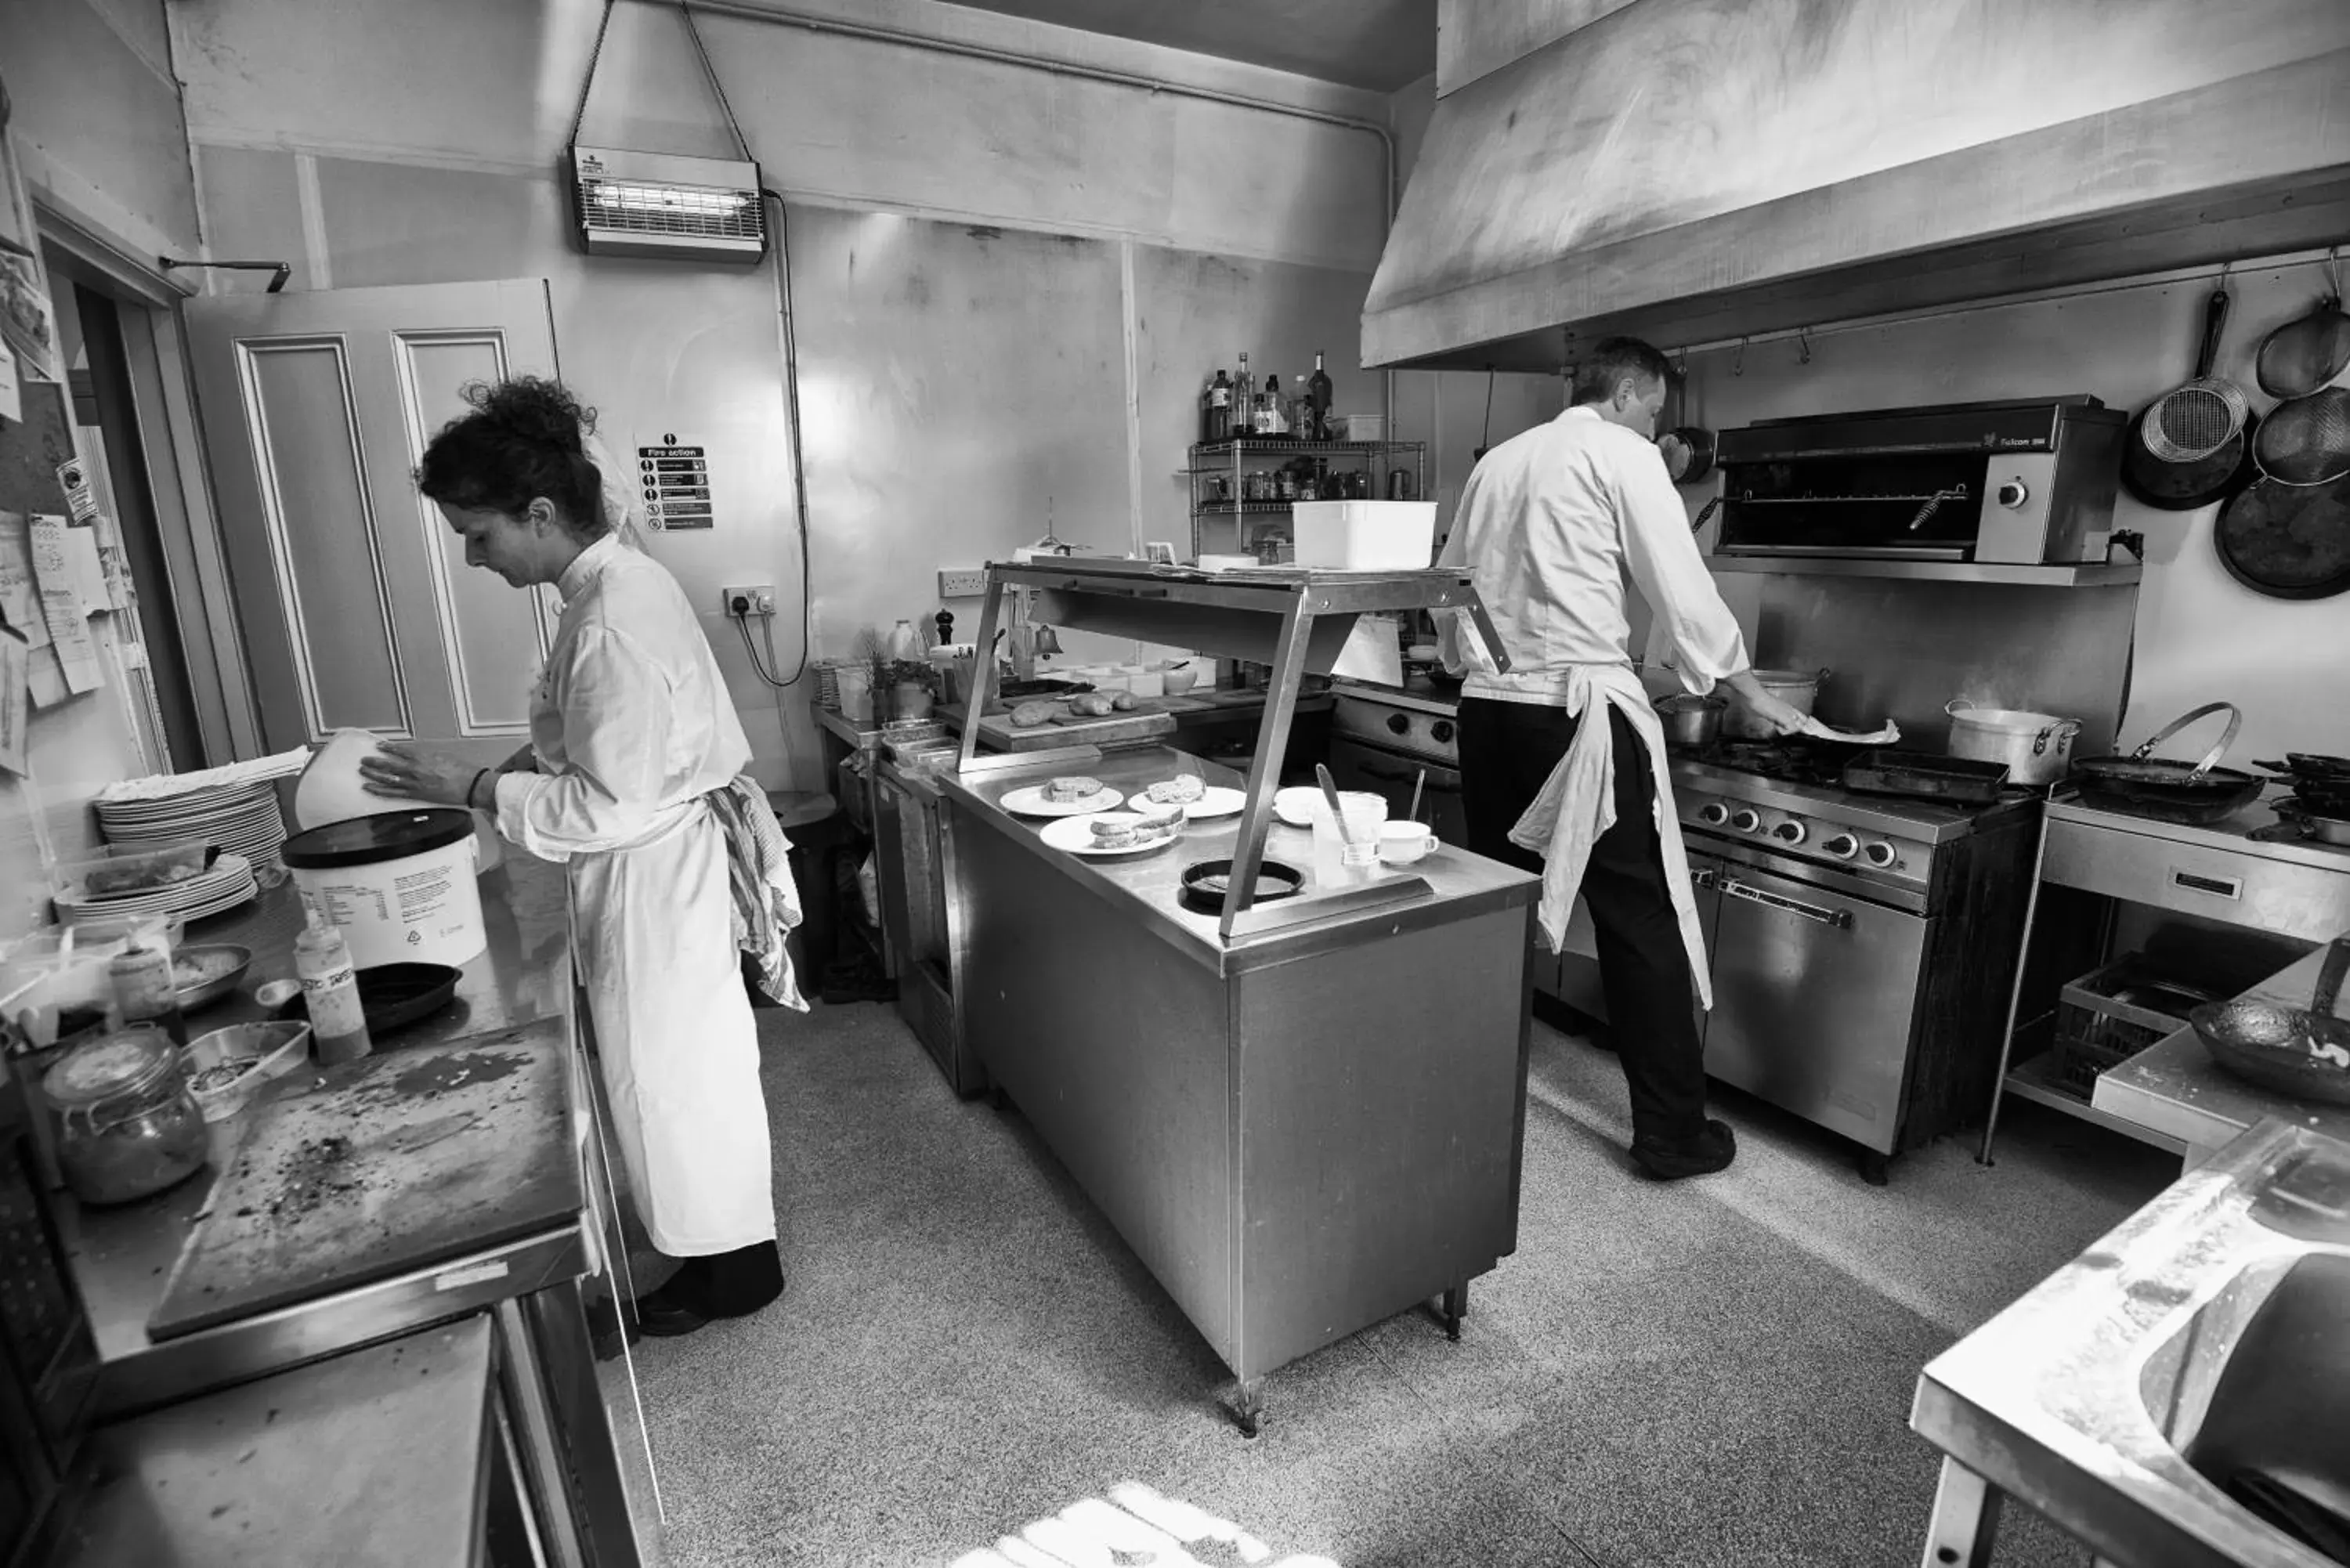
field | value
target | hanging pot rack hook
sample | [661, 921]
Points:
[1802, 344]
[1738, 360]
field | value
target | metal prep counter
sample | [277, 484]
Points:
[1300, 1132]
[586, 1471]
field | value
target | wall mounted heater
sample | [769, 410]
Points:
[659, 205]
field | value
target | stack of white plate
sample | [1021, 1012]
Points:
[241, 819]
[228, 884]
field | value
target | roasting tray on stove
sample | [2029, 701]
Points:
[1927, 776]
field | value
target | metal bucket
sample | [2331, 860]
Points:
[2036, 747]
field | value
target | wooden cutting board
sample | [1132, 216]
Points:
[398, 1162]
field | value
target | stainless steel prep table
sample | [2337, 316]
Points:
[595, 1497]
[1300, 1132]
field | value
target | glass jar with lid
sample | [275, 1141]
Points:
[126, 1126]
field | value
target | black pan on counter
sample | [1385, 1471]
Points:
[2147, 785]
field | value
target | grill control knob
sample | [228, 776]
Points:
[1788, 833]
[1399, 725]
[1713, 814]
[2013, 495]
[1844, 847]
[1747, 821]
[1440, 731]
[1881, 854]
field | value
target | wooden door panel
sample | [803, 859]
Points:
[492, 635]
[301, 409]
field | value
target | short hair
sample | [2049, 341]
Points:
[525, 438]
[1611, 360]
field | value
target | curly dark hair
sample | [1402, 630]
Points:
[522, 440]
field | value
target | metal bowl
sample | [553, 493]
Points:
[223, 963]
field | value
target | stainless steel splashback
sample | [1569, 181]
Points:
[1901, 650]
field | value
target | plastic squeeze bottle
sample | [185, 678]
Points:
[331, 991]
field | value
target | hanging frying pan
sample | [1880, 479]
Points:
[2192, 445]
[2288, 537]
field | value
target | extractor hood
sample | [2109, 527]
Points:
[1651, 173]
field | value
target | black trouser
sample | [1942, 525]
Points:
[1507, 752]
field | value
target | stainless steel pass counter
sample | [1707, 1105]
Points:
[1300, 1132]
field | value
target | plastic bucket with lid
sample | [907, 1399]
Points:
[399, 887]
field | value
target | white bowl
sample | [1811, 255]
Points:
[1402, 843]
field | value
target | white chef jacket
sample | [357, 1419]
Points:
[1550, 525]
[633, 727]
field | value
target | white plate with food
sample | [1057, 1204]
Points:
[1112, 833]
[1071, 795]
[1200, 801]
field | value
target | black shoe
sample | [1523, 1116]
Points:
[1710, 1152]
[667, 1313]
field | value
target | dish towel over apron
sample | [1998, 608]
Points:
[1578, 803]
[766, 901]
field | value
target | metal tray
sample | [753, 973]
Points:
[1927, 775]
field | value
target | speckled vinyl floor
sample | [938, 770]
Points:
[970, 1369]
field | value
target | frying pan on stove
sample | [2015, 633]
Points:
[2144, 784]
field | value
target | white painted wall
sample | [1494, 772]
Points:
[435, 164]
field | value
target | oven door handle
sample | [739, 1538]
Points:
[1407, 776]
[1841, 919]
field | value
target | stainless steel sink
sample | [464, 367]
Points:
[2179, 1394]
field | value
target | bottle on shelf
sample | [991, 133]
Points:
[1243, 404]
[330, 989]
[1317, 395]
[1276, 422]
[1218, 423]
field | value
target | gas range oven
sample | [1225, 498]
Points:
[1861, 944]
[1386, 740]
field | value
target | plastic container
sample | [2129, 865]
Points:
[398, 887]
[330, 992]
[1364, 536]
[1334, 857]
[119, 872]
[1360, 426]
[56, 978]
[126, 1126]
[1142, 680]
[331, 789]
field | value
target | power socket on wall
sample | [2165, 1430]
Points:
[760, 598]
[956, 583]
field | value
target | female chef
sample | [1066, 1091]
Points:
[631, 782]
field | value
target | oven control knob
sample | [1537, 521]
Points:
[1844, 847]
[1713, 814]
[1399, 725]
[1881, 854]
[1440, 731]
[1748, 820]
[1788, 833]
[2013, 495]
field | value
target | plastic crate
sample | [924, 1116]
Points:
[2112, 1013]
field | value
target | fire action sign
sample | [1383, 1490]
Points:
[676, 481]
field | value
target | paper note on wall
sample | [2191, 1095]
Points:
[47, 678]
[20, 601]
[11, 403]
[55, 576]
[15, 711]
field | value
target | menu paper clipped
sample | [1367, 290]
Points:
[57, 576]
[15, 708]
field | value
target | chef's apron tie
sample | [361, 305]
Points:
[1576, 805]
[766, 901]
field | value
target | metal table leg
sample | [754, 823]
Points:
[1456, 1307]
[1246, 1405]
[2014, 996]
[1966, 1520]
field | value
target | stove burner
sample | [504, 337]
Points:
[1768, 759]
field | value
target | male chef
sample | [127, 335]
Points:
[1562, 758]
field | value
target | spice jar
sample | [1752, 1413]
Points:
[126, 1126]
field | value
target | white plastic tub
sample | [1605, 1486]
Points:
[1364, 536]
[399, 887]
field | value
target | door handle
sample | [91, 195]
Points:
[1405, 775]
[1841, 919]
[1701, 878]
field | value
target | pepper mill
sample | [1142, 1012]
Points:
[944, 622]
